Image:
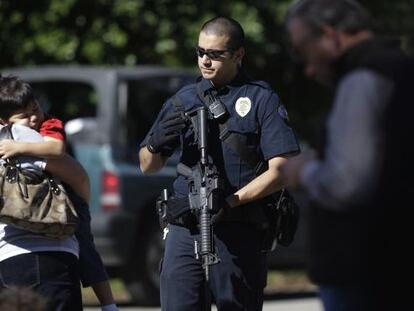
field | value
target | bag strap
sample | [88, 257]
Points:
[11, 168]
[7, 133]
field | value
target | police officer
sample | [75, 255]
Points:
[252, 111]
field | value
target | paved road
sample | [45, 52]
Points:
[302, 304]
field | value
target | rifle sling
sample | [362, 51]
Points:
[234, 140]
[231, 139]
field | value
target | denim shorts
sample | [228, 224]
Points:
[53, 275]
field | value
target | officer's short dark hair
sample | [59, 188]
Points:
[347, 16]
[15, 95]
[226, 26]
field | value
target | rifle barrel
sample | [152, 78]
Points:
[203, 130]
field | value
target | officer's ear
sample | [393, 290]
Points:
[238, 55]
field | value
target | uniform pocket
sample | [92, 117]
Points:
[20, 271]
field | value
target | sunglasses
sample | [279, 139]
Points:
[213, 54]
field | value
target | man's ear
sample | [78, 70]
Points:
[238, 55]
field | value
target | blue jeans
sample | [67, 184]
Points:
[236, 283]
[53, 275]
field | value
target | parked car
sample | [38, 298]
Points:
[107, 112]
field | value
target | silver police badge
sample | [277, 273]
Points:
[243, 105]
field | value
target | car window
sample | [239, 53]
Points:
[66, 100]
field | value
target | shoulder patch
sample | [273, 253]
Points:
[281, 110]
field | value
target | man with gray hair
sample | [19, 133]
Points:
[359, 181]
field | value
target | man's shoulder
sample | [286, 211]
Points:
[262, 91]
[187, 92]
[259, 87]
[363, 77]
[260, 84]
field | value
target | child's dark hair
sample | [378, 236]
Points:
[15, 95]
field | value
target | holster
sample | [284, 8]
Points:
[176, 211]
[161, 208]
[283, 216]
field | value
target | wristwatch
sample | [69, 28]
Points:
[151, 148]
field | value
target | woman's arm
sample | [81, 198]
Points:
[71, 172]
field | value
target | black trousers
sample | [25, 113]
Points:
[236, 283]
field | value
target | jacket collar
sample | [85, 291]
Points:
[240, 79]
[380, 52]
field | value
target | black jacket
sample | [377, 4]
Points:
[368, 245]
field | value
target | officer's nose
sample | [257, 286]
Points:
[206, 60]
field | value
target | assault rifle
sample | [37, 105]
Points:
[204, 185]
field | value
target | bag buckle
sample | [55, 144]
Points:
[54, 186]
[12, 174]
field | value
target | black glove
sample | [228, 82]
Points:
[167, 132]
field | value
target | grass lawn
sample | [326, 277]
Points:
[288, 281]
